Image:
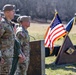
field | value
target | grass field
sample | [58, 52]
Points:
[37, 31]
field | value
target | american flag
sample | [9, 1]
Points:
[55, 31]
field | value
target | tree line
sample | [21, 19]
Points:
[44, 9]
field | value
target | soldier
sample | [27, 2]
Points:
[17, 54]
[23, 36]
[7, 39]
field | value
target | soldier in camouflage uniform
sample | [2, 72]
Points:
[6, 40]
[23, 37]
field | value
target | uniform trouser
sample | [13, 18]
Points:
[7, 55]
[22, 68]
[14, 65]
[15, 58]
[5, 68]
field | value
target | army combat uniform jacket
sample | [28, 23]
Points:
[6, 45]
[23, 37]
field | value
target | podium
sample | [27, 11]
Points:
[37, 58]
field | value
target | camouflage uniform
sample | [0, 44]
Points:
[6, 45]
[23, 37]
[17, 51]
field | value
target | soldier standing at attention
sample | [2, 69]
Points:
[23, 37]
[6, 40]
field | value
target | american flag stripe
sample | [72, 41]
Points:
[47, 36]
[57, 35]
[55, 28]
[56, 38]
[50, 31]
[56, 32]
[53, 32]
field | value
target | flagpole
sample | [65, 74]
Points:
[54, 16]
[75, 18]
[55, 10]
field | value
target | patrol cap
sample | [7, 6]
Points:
[8, 7]
[23, 18]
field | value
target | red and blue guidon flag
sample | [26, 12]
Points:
[55, 31]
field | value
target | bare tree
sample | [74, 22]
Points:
[44, 8]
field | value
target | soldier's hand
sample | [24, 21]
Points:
[1, 60]
[21, 58]
[20, 55]
[24, 57]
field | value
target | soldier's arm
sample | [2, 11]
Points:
[21, 38]
[25, 44]
[17, 48]
[2, 30]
